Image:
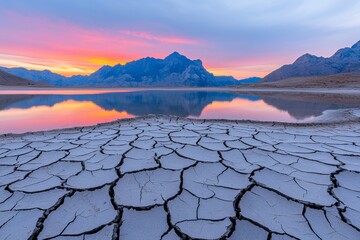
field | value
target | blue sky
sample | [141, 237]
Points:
[240, 38]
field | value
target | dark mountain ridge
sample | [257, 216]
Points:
[36, 76]
[345, 60]
[175, 70]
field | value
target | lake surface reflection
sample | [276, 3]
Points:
[44, 110]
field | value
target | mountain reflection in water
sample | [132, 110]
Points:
[22, 113]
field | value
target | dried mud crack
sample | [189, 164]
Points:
[170, 178]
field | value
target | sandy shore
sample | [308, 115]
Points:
[338, 81]
[193, 178]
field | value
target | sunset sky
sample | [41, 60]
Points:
[239, 38]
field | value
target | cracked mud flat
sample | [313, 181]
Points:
[170, 178]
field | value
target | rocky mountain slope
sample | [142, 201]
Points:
[345, 60]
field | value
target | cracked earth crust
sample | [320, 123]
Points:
[170, 178]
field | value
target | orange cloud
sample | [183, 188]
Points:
[39, 43]
[64, 48]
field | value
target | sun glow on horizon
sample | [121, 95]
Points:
[241, 72]
[89, 65]
[77, 50]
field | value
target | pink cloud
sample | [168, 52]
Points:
[37, 42]
[62, 43]
[149, 36]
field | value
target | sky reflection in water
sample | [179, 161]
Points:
[63, 109]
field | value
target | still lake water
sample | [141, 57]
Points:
[24, 111]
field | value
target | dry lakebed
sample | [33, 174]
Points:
[161, 177]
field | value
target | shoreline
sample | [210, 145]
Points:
[330, 118]
[41, 90]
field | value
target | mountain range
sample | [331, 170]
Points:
[345, 60]
[175, 70]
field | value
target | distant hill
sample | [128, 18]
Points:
[37, 76]
[345, 60]
[175, 70]
[247, 81]
[7, 79]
